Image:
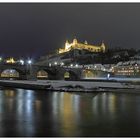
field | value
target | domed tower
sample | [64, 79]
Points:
[103, 46]
[67, 45]
[86, 42]
[75, 41]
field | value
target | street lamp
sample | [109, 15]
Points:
[29, 66]
[29, 62]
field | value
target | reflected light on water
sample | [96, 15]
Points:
[76, 103]
[42, 113]
[64, 108]
[55, 104]
[104, 102]
[29, 93]
[112, 103]
[67, 114]
[9, 93]
[38, 105]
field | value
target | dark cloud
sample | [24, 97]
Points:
[34, 29]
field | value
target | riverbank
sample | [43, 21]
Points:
[71, 86]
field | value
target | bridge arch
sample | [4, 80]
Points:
[9, 73]
[86, 73]
[46, 74]
[42, 74]
[70, 75]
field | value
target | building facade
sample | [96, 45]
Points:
[128, 68]
[76, 45]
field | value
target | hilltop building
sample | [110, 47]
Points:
[10, 61]
[76, 45]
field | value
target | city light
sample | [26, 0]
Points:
[29, 61]
[22, 62]
[11, 71]
[76, 65]
[108, 75]
[85, 45]
[71, 65]
[55, 63]
[0, 58]
[11, 61]
[62, 64]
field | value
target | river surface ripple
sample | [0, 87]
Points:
[39, 113]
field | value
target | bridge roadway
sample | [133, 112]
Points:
[29, 72]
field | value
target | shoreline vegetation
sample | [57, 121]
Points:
[85, 85]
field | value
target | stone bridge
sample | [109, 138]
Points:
[29, 72]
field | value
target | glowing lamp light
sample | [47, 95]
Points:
[55, 63]
[10, 60]
[11, 71]
[71, 65]
[76, 65]
[29, 61]
[62, 64]
[22, 62]
[108, 75]
[0, 58]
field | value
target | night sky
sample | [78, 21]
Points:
[36, 29]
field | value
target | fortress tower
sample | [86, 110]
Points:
[76, 45]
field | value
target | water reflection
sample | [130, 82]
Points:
[42, 113]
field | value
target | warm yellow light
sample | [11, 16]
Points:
[66, 75]
[10, 60]
[42, 74]
[75, 44]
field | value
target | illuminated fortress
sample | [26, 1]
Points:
[76, 45]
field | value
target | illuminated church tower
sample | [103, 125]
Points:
[76, 45]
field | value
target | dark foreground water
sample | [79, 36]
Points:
[30, 113]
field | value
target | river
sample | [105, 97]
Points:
[39, 113]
